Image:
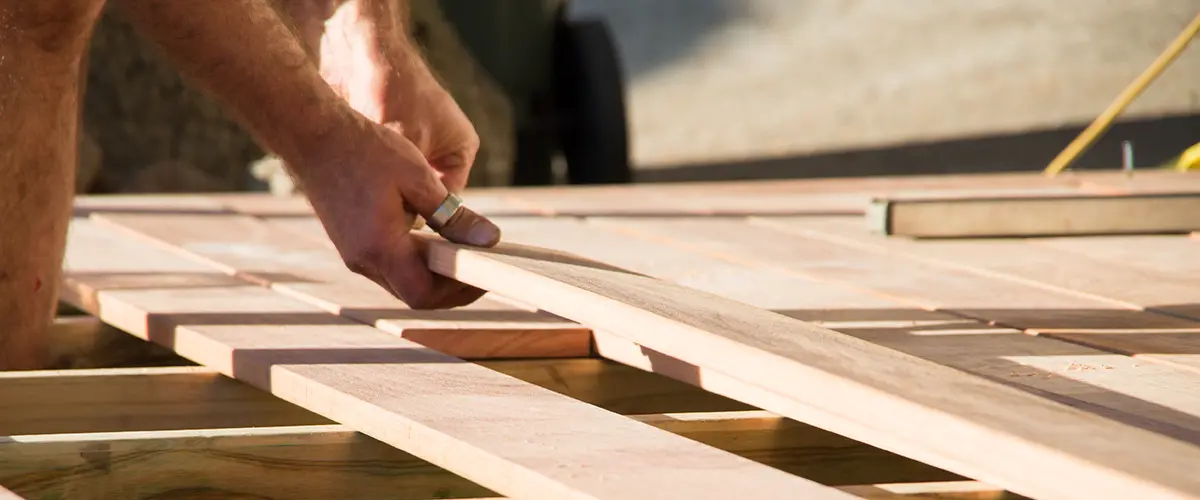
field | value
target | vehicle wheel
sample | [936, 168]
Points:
[590, 97]
[534, 155]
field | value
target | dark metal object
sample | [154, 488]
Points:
[564, 80]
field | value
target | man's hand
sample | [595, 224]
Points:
[365, 181]
[364, 190]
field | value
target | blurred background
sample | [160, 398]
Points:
[586, 91]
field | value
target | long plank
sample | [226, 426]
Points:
[852, 387]
[1173, 254]
[1033, 214]
[1151, 314]
[1159, 398]
[502, 433]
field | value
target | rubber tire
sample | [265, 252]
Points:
[590, 98]
[533, 163]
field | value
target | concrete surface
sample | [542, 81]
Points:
[744, 80]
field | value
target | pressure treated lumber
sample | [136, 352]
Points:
[294, 463]
[333, 461]
[866, 392]
[512, 437]
[844, 289]
[1031, 214]
[105, 400]
[200, 397]
[83, 341]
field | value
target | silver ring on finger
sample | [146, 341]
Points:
[445, 212]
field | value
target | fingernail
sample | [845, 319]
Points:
[483, 233]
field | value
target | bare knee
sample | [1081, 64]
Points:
[52, 26]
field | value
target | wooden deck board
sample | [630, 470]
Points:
[858, 381]
[500, 432]
[1032, 348]
[1154, 397]
[1145, 313]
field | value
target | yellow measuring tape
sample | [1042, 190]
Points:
[1102, 123]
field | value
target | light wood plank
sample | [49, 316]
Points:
[1033, 214]
[265, 205]
[314, 273]
[867, 392]
[699, 253]
[1115, 181]
[613, 386]
[106, 400]
[1149, 314]
[507, 435]
[1173, 254]
[333, 461]
[734, 198]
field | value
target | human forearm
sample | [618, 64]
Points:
[364, 50]
[243, 53]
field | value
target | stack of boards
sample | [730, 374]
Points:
[967, 336]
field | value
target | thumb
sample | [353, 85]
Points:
[459, 224]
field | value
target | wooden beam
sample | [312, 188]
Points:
[83, 341]
[293, 463]
[106, 400]
[333, 461]
[200, 397]
[849, 386]
[1033, 214]
[502, 433]
[613, 386]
